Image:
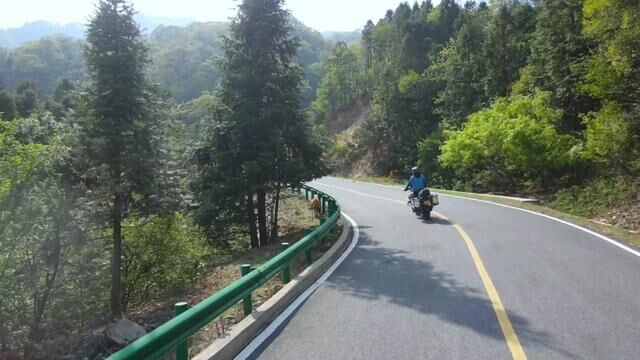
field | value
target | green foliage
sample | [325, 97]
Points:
[26, 98]
[118, 140]
[461, 68]
[342, 81]
[162, 255]
[45, 62]
[313, 46]
[429, 163]
[512, 144]
[558, 46]
[609, 140]
[613, 69]
[593, 198]
[48, 262]
[508, 45]
[259, 141]
[183, 58]
[18, 160]
[7, 106]
[198, 110]
[613, 76]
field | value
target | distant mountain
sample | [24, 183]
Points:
[150, 23]
[344, 36]
[183, 57]
[36, 30]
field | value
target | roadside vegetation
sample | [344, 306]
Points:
[514, 97]
[123, 186]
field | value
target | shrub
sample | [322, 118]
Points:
[512, 144]
[593, 198]
[162, 256]
[609, 141]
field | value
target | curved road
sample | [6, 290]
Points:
[488, 283]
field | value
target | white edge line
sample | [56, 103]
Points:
[275, 324]
[602, 237]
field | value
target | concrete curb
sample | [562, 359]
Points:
[246, 330]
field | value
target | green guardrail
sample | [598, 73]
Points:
[175, 333]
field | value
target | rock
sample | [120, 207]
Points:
[9, 356]
[90, 346]
[124, 331]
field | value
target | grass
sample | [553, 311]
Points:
[620, 234]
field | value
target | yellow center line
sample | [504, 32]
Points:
[517, 352]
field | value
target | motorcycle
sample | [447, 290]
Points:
[423, 203]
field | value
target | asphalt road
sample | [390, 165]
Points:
[411, 289]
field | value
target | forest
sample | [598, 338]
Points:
[128, 167]
[132, 165]
[538, 98]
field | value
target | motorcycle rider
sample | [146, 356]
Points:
[417, 182]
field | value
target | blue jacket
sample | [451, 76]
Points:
[417, 183]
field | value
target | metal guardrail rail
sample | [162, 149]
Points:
[175, 333]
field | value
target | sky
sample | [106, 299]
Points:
[322, 15]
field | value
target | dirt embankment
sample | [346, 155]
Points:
[627, 216]
[350, 116]
[350, 158]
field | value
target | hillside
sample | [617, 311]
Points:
[344, 36]
[183, 56]
[12, 37]
[537, 99]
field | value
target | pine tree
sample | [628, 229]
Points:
[118, 136]
[461, 67]
[367, 40]
[259, 140]
[508, 45]
[558, 46]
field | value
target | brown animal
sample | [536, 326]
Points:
[314, 205]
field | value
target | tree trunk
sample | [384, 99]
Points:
[116, 259]
[251, 217]
[53, 265]
[274, 222]
[262, 217]
[40, 300]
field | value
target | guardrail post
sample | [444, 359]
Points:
[182, 350]
[307, 254]
[286, 270]
[324, 203]
[246, 302]
[322, 237]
